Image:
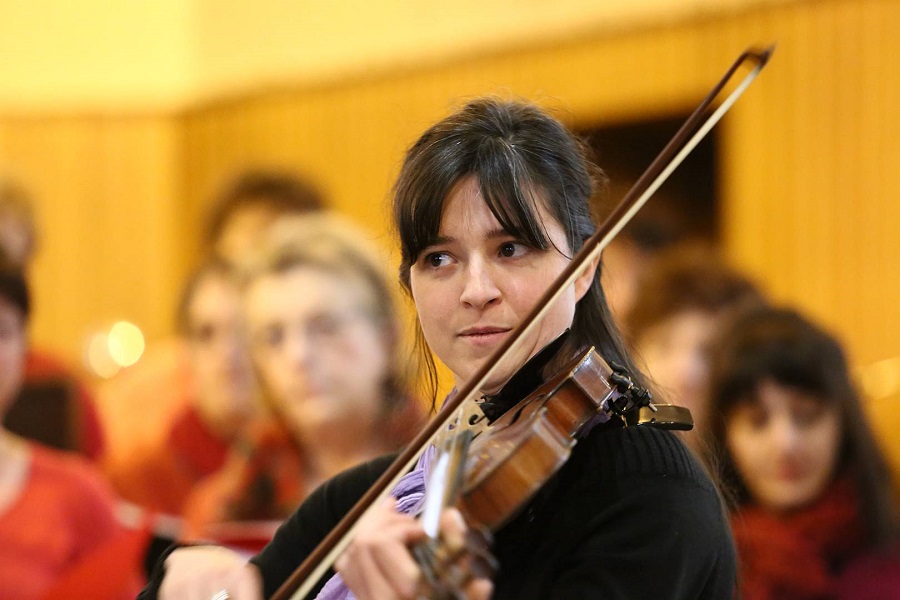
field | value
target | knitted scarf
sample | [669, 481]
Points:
[795, 556]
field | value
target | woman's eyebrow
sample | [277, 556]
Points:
[498, 233]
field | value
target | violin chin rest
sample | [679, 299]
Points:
[666, 416]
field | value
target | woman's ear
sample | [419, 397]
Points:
[584, 281]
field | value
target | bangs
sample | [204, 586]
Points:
[783, 364]
[505, 185]
[511, 195]
[528, 169]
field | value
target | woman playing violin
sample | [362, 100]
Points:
[491, 204]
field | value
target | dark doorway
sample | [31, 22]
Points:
[685, 207]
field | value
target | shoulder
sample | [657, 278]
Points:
[71, 474]
[642, 452]
[67, 490]
[629, 502]
[644, 479]
[336, 496]
[313, 520]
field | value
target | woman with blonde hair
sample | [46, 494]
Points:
[324, 337]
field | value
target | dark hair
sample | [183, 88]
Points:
[520, 156]
[782, 346]
[14, 285]
[279, 191]
[212, 266]
[688, 278]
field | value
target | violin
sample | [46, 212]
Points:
[515, 456]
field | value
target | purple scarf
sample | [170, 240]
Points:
[410, 495]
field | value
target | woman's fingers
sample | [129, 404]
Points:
[206, 572]
[378, 564]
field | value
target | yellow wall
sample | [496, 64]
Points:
[808, 156]
[111, 235]
[810, 208]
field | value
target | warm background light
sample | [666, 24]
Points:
[123, 117]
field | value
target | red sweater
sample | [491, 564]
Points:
[63, 515]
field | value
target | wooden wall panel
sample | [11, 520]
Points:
[807, 165]
[809, 207]
[108, 196]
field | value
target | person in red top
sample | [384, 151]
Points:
[18, 241]
[160, 475]
[56, 512]
[814, 516]
[156, 398]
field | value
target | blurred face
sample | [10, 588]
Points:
[476, 285]
[223, 376]
[675, 356]
[785, 446]
[13, 344]
[322, 357]
[15, 240]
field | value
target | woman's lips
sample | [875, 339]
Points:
[483, 335]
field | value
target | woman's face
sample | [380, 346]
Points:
[219, 360]
[13, 345]
[319, 352]
[478, 282]
[784, 444]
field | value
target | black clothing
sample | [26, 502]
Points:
[631, 515]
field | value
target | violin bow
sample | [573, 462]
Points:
[694, 129]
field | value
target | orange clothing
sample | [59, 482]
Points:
[161, 475]
[63, 515]
[139, 405]
[261, 481]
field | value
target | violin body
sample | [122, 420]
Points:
[524, 448]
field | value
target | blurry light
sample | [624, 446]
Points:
[126, 343]
[881, 379]
[98, 359]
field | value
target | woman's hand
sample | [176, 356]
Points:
[378, 565]
[209, 573]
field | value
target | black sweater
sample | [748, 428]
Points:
[631, 515]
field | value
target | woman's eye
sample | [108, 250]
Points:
[510, 249]
[436, 259]
[271, 337]
[807, 413]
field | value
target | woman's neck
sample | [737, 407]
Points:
[14, 458]
[12, 447]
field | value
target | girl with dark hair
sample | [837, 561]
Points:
[491, 204]
[808, 482]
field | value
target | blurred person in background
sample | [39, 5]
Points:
[326, 343]
[158, 391]
[813, 514]
[57, 515]
[44, 371]
[240, 215]
[160, 475]
[681, 302]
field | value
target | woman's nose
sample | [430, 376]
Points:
[298, 347]
[785, 435]
[479, 288]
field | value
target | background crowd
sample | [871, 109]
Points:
[291, 364]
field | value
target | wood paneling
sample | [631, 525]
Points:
[807, 165]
